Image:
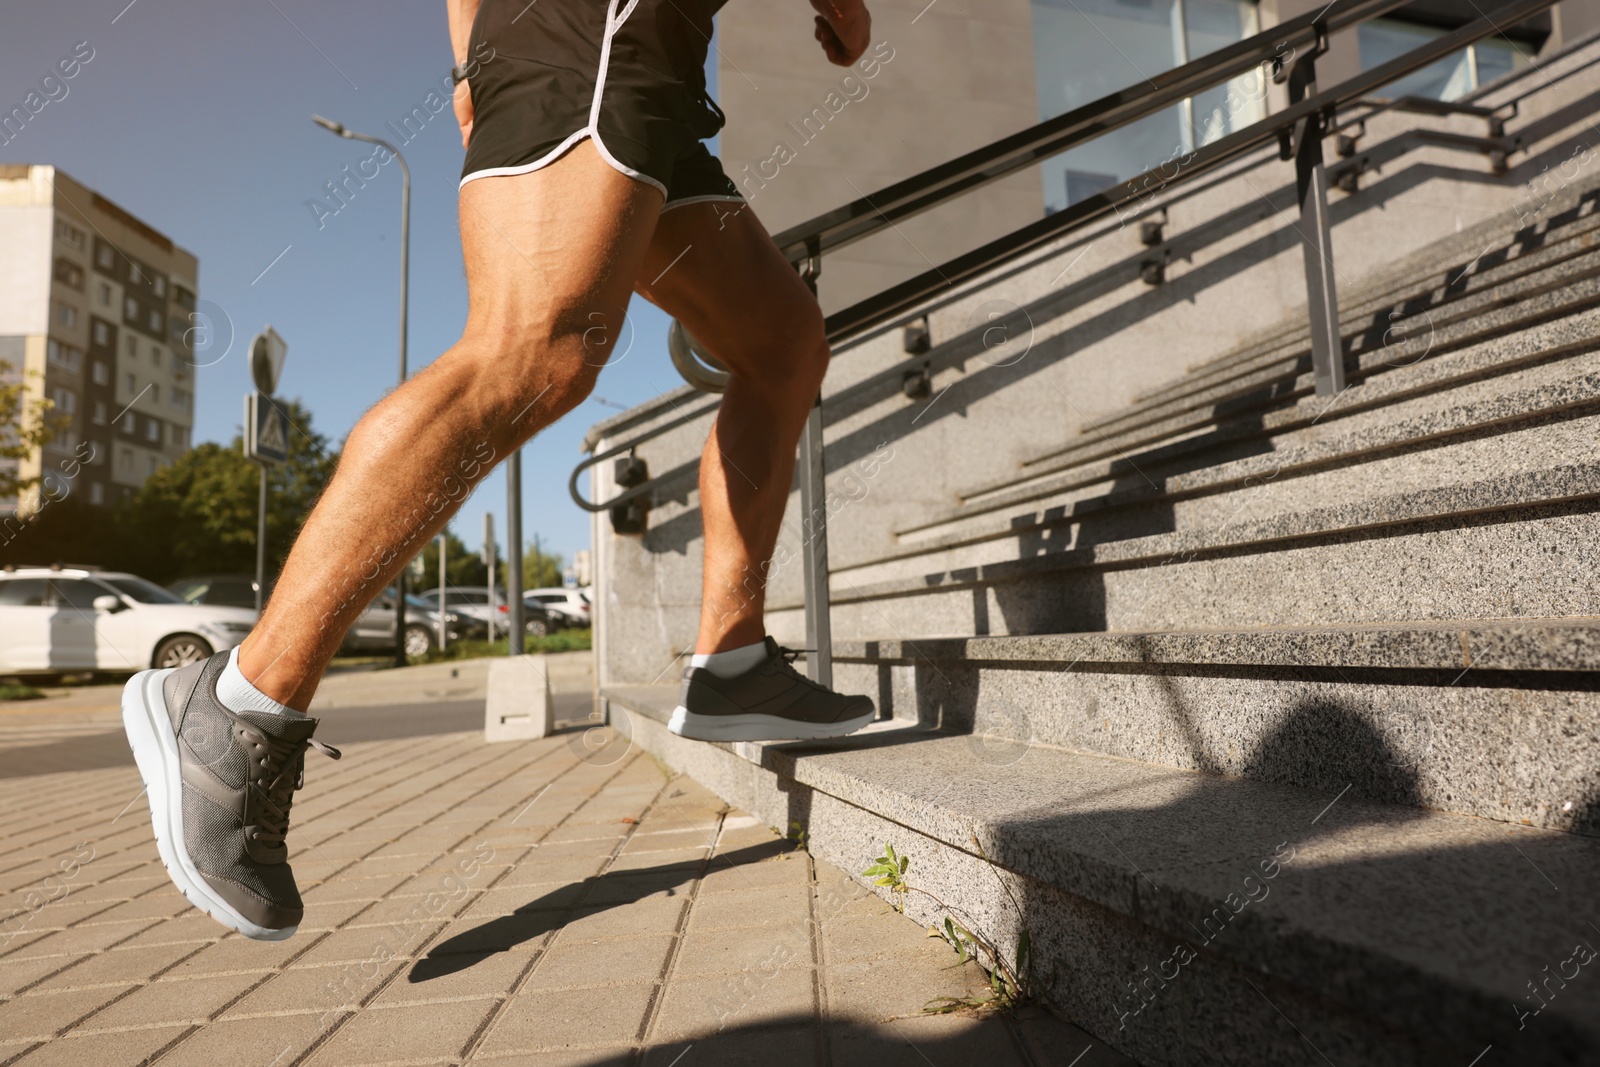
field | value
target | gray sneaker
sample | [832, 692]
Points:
[219, 785]
[769, 702]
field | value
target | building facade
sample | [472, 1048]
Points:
[950, 76]
[95, 312]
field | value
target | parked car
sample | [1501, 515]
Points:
[230, 590]
[473, 601]
[373, 630]
[76, 619]
[570, 607]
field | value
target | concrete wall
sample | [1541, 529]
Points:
[951, 77]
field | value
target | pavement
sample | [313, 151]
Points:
[553, 902]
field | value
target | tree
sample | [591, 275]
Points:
[198, 515]
[541, 570]
[462, 566]
[26, 425]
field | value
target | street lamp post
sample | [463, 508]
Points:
[405, 277]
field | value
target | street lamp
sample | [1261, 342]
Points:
[405, 259]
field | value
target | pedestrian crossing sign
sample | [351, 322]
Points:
[266, 438]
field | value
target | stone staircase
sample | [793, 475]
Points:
[1271, 718]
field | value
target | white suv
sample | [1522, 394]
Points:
[571, 606]
[69, 619]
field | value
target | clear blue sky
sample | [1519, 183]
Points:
[196, 117]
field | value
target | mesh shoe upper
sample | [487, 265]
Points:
[774, 688]
[240, 771]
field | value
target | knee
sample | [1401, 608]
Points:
[795, 358]
[530, 377]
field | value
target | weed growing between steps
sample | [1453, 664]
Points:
[1011, 984]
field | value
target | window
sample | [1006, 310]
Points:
[155, 393]
[64, 356]
[155, 320]
[152, 433]
[125, 460]
[100, 372]
[67, 315]
[24, 592]
[182, 399]
[133, 383]
[130, 309]
[98, 417]
[178, 436]
[97, 493]
[69, 274]
[155, 354]
[133, 348]
[105, 295]
[135, 276]
[130, 423]
[104, 258]
[159, 284]
[1072, 40]
[102, 333]
[69, 234]
[65, 399]
[152, 464]
[183, 297]
[78, 593]
[1450, 78]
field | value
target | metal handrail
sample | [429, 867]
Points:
[1280, 126]
[893, 204]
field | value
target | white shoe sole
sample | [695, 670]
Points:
[754, 727]
[155, 750]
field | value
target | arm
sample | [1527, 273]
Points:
[461, 13]
[844, 29]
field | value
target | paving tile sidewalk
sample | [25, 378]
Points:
[531, 903]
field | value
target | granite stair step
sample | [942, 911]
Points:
[1494, 718]
[1171, 910]
[1562, 322]
[1536, 398]
[1397, 303]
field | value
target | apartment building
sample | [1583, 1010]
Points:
[95, 309]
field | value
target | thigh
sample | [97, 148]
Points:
[555, 250]
[714, 268]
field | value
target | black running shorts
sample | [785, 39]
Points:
[627, 74]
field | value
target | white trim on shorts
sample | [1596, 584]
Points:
[709, 198]
[614, 23]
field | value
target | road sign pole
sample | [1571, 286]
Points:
[516, 630]
[261, 541]
[444, 629]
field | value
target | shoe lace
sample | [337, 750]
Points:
[789, 655]
[276, 785]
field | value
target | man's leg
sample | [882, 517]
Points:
[716, 270]
[551, 257]
[741, 299]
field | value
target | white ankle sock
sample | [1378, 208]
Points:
[236, 694]
[734, 661]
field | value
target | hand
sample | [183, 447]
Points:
[844, 29]
[463, 106]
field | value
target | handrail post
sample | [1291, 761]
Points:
[1316, 241]
[814, 521]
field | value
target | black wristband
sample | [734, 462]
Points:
[458, 74]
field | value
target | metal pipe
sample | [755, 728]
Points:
[514, 631]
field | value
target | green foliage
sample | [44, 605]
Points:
[797, 834]
[462, 566]
[1008, 983]
[541, 570]
[560, 641]
[198, 515]
[19, 691]
[25, 426]
[889, 871]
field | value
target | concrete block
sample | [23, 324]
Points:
[519, 706]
